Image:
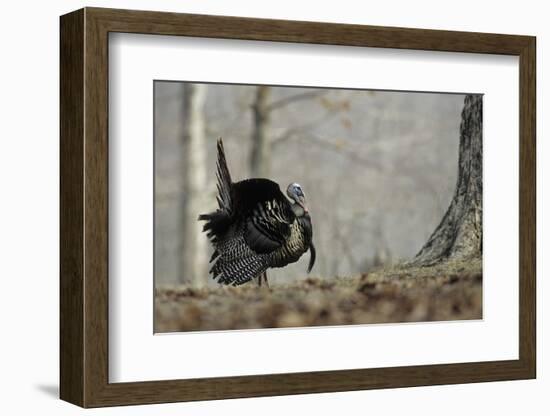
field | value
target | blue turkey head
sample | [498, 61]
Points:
[294, 192]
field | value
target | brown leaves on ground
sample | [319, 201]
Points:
[451, 291]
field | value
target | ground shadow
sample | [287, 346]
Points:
[51, 390]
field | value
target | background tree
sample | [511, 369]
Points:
[260, 155]
[193, 246]
[459, 234]
[262, 142]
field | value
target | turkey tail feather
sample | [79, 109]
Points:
[224, 179]
[218, 221]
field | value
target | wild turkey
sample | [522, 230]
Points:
[255, 227]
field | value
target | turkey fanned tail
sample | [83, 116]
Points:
[233, 261]
[218, 221]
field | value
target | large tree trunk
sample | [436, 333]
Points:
[459, 235]
[260, 157]
[193, 173]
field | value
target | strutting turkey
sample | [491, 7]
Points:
[255, 227]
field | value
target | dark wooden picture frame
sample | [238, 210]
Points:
[84, 207]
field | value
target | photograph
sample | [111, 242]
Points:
[285, 206]
[262, 205]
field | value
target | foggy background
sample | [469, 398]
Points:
[378, 169]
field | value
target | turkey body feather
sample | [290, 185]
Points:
[254, 228]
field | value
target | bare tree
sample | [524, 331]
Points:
[193, 247]
[459, 234]
[262, 143]
[260, 156]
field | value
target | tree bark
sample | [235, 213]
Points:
[193, 264]
[260, 156]
[459, 234]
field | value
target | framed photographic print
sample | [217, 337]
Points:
[255, 207]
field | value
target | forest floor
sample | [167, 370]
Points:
[450, 291]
